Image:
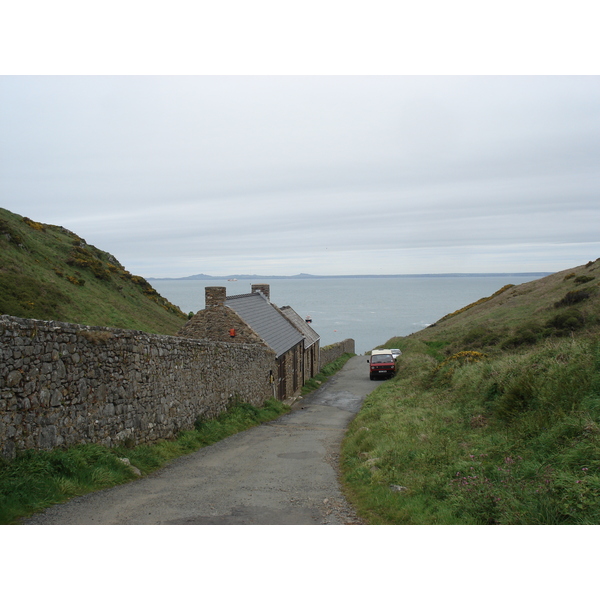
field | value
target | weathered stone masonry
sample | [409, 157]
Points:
[330, 353]
[63, 384]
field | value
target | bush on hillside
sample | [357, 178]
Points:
[526, 335]
[9, 233]
[531, 333]
[481, 337]
[34, 224]
[83, 258]
[567, 321]
[573, 297]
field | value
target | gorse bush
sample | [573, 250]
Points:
[84, 258]
[34, 224]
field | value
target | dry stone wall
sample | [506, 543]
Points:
[63, 384]
[330, 353]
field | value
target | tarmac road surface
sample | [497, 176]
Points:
[280, 473]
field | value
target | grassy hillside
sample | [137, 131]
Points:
[555, 306]
[493, 417]
[50, 273]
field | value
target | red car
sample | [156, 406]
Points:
[382, 364]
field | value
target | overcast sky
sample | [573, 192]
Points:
[306, 164]
[324, 175]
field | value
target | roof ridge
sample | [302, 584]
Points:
[267, 320]
[242, 296]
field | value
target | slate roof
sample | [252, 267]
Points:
[310, 335]
[266, 320]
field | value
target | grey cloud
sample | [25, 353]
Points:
[167, 171]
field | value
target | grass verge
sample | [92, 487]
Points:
[511, 438]
[35, 480]
[325, 373]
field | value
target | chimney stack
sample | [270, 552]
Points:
[214, 296]
[263, 288]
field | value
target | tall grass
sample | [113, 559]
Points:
[512, 439]
[35, 480]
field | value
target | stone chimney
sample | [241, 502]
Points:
[214, 296]
[263, 288]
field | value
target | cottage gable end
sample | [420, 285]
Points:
[218, 324]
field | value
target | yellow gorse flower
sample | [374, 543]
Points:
[466, 356]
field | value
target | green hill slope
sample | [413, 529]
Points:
[50, 273]
[564, 304]
[493, 416]
[559, 305]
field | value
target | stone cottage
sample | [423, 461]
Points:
[253, 319]
[312, 342]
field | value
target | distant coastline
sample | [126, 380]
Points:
[203, 277]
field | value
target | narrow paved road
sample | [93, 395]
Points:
[280, 473]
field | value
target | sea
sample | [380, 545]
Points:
[370, 310]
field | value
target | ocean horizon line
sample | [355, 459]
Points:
[204, 277]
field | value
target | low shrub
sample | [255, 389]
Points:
[569, 320]
[75, 280]
[9, 233]
[573, 297]
[481, 337]
[84, 258]
[34, 224]
[526, 335]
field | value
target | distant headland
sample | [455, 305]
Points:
[204, 277]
